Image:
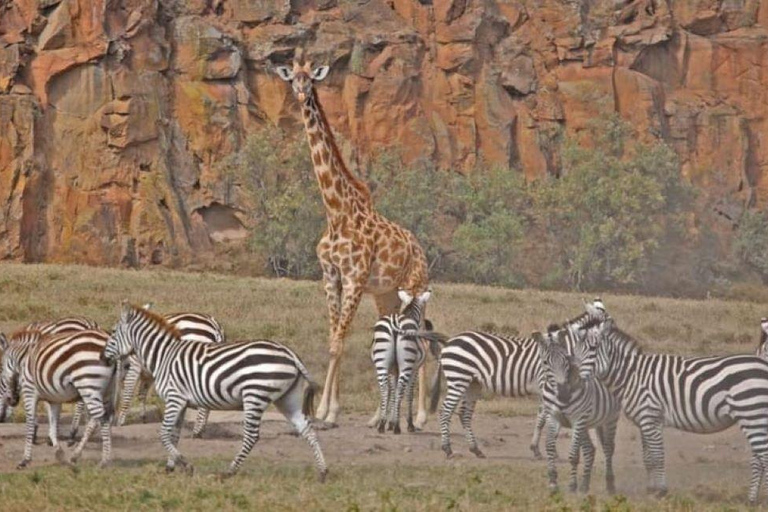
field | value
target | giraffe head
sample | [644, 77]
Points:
[302, 77]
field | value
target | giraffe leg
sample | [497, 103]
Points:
[386, 304]
[332, 285]
[350, 301]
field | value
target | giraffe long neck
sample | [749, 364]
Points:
[343, 193]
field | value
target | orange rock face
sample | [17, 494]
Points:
[114, 116]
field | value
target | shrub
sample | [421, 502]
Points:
[751, 242]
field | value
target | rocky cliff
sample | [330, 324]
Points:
[114, 114]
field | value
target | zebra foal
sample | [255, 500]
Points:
[397, 354]
[694, 394]
[60, 369]
[580, 402]
[238, 375]
[192, 327]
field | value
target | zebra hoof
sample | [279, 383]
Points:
[381, 426]
[227, 474]
[169, 469]
[448, 452]
[396, 430]
[23, 464]
[322, 476]
[325, 425]
[49, 442]
[72, 442]
[477, 452]
[197, 435]
[536, 452]
[572, 488]
[553, 489]
[390, 426]
[104, 464]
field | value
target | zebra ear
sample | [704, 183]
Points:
[561, 337]
[147, 306]
[538, 338]
[404, 296]
[3, 342]
[424, 297]
[764, 325]
[125, 310]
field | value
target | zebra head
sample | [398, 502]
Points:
[9, 374]
[560, 371]
[762, 348]
[586, 351]
[119, 343]
[412, 307]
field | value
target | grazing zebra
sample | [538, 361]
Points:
[50, 328]
[237, 375]
[191, 326]
[509, 366]
[583, 403]
[59, 369]
[398, 354]
[697, 394]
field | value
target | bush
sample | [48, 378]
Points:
[751, 242]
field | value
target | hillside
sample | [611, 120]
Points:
[114, 115]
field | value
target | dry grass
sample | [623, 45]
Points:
[294, 313]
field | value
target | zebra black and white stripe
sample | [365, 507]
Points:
[696, 394]
[50, 328]
[509, 366]
[60, 369]
[238, 375]
[582, 403]
[397, 355]
[192, 327]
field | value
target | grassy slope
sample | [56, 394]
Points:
[294, 312]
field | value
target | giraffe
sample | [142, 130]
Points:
[360, 250]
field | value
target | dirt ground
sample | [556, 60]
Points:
[695, 463]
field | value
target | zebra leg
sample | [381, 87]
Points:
[551, 448]
[394, 420]
[588, 449]
[291, 405]
[541, 420]
[577, 438]
[465, 416]
[129, 390]
[54, 411]
[30, 398]
[144, 386]
[455, 393]
[383, 379]
[76, 418]
[174, 410]
[606, 433]
[653, 456]
[409, 402]
[96, 415]
[421, 415]
[757, 437]
[253, 409]
[200, 422]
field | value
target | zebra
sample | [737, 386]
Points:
[473, 361]
[581, 402]
[60, 369]
[191, 326]
[236, 375]
[397, 354]
[694, 394]
[50, 328]
[762, 347]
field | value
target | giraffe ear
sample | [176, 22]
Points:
[284, 72]
[320, 73]
[404, 296]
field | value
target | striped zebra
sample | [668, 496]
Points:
[509, 366]
[697, 394]
[580, 402]
[60, 369]
[762, 347]
[50, 328]
[237, 375]
[191, 326]
[397, 356]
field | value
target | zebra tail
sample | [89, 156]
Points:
[308, 404]
[434, 396]
[114, 385]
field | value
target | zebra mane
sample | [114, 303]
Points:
[412, 310]
[156, 319]
[623, 341]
